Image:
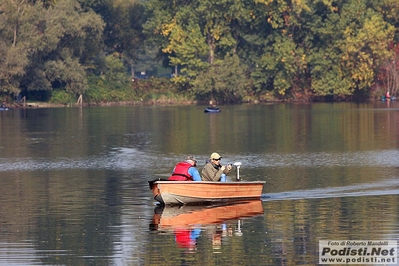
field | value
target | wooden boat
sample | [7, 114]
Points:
[204, 192]
[212, 110]
[166, 217]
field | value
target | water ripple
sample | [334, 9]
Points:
[383, 158]
[384, 187]
[122, 158]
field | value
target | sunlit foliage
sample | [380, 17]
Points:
[218, 50]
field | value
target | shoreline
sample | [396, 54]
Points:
[142, 103]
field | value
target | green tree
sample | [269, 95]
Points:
[55, 42]
[224, 81]
[321, 47]
[14, 49]
[197, 35]
[282, 61]
[355, 44]
[389, 10]
[123, 33]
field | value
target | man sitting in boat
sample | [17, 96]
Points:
[186, 171]
[213, 170]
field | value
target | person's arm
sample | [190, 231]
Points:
[194, 173]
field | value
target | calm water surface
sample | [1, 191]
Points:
[74, 183]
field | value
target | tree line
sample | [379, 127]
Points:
[229, 51]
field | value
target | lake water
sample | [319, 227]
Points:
[74, 183]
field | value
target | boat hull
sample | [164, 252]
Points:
[212, 110]
[204, 192]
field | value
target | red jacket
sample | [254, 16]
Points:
[181, 172]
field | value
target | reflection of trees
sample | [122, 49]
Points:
[262, 129]
[65, 210]
[295, 226]
[57, 215]
[218, 244]
[59, 209]
[289, 231]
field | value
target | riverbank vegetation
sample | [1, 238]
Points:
[198, 51]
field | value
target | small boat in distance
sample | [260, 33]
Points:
[204, 192]
[212, 109]
[384, 98]
[3, 108]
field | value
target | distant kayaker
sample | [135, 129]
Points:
[3, 105]
[186, 171]
[213, 170]
[387, 96]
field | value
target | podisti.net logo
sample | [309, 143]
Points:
[358, 252]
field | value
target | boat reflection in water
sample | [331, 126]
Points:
[187, 223]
